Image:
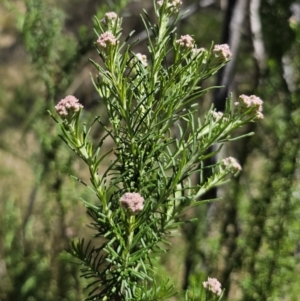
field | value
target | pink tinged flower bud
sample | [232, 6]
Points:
[111, 19]
[231, 165]
[172, 6]
[111, 16]
[245, 103]
[68, 106]
[222, 52]
[106, 39]
[132, 201]
[213, 285]
[186, 41]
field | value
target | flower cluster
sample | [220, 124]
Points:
[106, 39]
[222, 52]
[197, 51]
[186, 41]
[132, 201]
[231, 165]
[68, 106]
[217, 115]
[142, 58]
[172, 6]
[110, 17]
[213, 285]
[245, 103]
[111, 21]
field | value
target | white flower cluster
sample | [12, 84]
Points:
[197, 51]
[213, 285]
[245, 103]
[217, 115]
[222, 52]
[142, 58]
[186, 41]
[231, 165]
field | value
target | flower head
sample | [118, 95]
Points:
[112, 21]
[200, 53]
[68, 106]
[106, 39]
[110, 17]
[132, 201]
[186, 41]
[142, 58]
[245, 103]
[217, 115]
[213, 285]
[197, 51]
[231, 165]
[222, 52]
[172, 6]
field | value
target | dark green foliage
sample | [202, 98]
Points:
[145, 103]
[257, 246]
[33, 239]
[274, 214]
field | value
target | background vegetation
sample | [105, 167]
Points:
[249, 240]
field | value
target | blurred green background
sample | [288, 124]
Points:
[249, 240]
